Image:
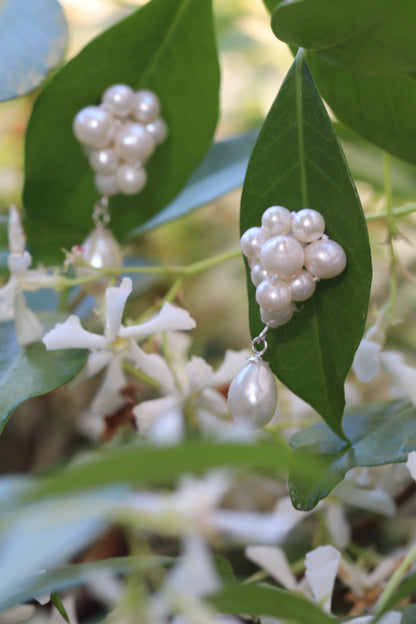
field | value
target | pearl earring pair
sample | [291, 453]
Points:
[287, 256]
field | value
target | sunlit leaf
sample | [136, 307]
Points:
[297, 162]
[380, 433]
[32, 42]
[167, 46]
[373, 37]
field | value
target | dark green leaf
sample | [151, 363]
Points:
[57, 603]
[167, 46]
[380, 433]
[221, 171]
[409, 614]
[256, 600]
[32, 371]
[380, 108]
[151, 466]
[374, 37]
[32, 42]
[78, 574]
[297, 162]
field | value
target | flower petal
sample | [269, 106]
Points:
[366, 363]
[28, 326]
[194, 575]
[95, 362]
[15, 231]
[233, 362]
[7, 297]
[153, 365]
[199, 373]
[167, 430]
[148, 412]
[401, 373]
[170, 318]
[321, 569]
[19, 262]
[109, 398]
[115, 298]
[274, 561]
[411, 464]
[71, 335]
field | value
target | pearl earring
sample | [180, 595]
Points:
[119, 137]
[287, 256]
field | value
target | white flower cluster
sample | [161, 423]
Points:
[287, 255]
[120, 135]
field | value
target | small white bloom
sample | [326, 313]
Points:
[403, 375]
[411, 464]
[116, 343]
[12, 302]
[366, 364]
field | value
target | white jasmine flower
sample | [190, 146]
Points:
[321, 570]
[189, 386]
[366, 364]
[403, 375]
[116, 344]
[12, 302]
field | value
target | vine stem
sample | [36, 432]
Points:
[394, 582]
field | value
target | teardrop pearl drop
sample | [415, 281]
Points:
[252, 397]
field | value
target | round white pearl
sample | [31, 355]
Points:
[281, 317]
[133, 143]
[325, 259]
[119, 100]
[158, 129]
[258, 274]
[106, 184]
[282, 255]
[302, 286]
[130, 180]
[101, 250]
[252, 397]
[251, 242]
[273, 296]
[146, 107]
[276, 220]
[93, 126]
[103, 161]
[308, 225]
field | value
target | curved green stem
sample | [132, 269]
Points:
[394, 582]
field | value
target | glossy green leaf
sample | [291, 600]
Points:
[221, 171]
[380, 433]
[32, 371]
[167, 46]
[70, 576]
[259, 600]
[32, 42]
[152, 466]
[297, 162]
[380, 108]
[409, 614]
[375, 37]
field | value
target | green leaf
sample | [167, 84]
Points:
[380, 108]
[32, 42]
[167, 46]
[77, 574]
[297, 162]
[57, 603]
[409, 614]
[154, 466]
[30, 372]
[380, 433]
[376, 37]
[259, 600]
[221, 171]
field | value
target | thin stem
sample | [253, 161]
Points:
[394, 582]
[401, 211]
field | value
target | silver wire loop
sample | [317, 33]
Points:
[100, 215]
[258, 340]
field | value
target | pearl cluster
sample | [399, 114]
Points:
[119, 136]
[287, 255]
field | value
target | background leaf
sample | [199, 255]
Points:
[373, 37]
[380, 433]
[297, 162]
[221, 171]
[380, 108]
[32, 42]
[256, 600]
[32, 371]
[167, 46]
